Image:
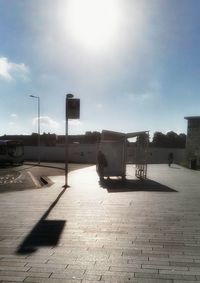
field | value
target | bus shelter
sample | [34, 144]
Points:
[114, 147]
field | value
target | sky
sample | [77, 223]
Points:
[135, 65]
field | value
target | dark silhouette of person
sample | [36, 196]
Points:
[101, 164]
[170, 158]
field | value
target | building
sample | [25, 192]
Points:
[193, 141]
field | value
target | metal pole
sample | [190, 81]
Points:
[38, 98]
[38, 130]
[66, 143]
[69, 95]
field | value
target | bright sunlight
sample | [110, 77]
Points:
[93, 22]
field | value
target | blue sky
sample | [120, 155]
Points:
[135, 65]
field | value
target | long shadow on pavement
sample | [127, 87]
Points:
[44, 233]
[115, 185]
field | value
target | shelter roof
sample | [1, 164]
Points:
[192, 118]
[112, 135]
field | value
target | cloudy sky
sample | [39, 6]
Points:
[135, 65]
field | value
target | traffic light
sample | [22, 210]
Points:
[73, 108]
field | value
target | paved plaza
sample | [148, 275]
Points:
[136, 231]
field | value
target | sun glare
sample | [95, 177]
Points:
[93, 22]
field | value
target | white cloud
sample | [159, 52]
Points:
[13, 115]
[10, 70]
[75, 127]
[75, 122]
[47, 123]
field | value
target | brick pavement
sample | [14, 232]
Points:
[145, 231]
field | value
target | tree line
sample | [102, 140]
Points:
[168, 140]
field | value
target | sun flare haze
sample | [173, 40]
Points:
[134, 64]
[93, 23]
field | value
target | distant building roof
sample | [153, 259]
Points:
[192, 118]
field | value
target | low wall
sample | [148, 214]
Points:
[160, 155]
[157, 155]
[86, 153]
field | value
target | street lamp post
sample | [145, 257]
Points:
[38, 98]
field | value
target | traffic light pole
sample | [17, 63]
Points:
[66, 147]
[72, 112]
[66, 139]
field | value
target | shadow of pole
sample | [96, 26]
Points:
[44, 233]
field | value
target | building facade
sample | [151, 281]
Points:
[193, 141]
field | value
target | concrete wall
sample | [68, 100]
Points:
[157, 155]
[86, 153]
[160, 155]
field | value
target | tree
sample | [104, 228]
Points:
[182, 140]
[159, 139]
[170, 140]
[143, 139]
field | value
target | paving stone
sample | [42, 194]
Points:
[132, 280]
[92, 277]
[43, 274]
[82, 266]
[12, 278]
[165, 276]
[118, 278]
[29, 273]
[185, 264]
[132, 269]
[12, 263]
[181, 272]
[144, 234]
[47, 265]
[14, 268]
[12, 273]
[145, 280]
[164, 267]
[50, 280]
[70, 274]
[46, 269]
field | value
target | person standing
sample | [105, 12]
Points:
[101, 164]
[170, 158]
